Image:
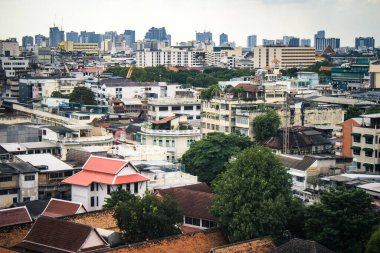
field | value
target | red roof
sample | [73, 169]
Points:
[85, 178]
[59, 208]
[104, 164]
[13, 216]
[164, 120]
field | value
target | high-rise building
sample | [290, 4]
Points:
[72, 36]
[305, 42]
[169, 40]
[293, 42]
[130, 37]
[364, 43]
[39, 40]
[156, 34]
[205, 37]
[268, 42]
[223, 39]
[321, 42]
[251, 41]
[27, 41]
[110, 35]
[55, 36]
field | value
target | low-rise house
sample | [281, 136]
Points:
[60, 208]
[55, 235]
[43, 147]
[101, 176]
[304, 246]
[195, 202]
[18, 183]
[14, 216]
[35, 207]
[51, 172]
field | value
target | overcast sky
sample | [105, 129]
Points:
[270, 19]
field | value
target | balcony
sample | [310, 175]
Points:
[170, 132]
[107, 137]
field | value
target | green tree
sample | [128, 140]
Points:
[352, 112]
[57, 94]
[210, 92]
[146, 218]
[118, 198]
[82, 95]
[373, 110]
[252, 197]
[266, 125]
[291, 72]
[373, 245]
[343, 221]
[206, 158]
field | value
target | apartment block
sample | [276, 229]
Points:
[289, 57]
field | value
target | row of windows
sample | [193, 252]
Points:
[29, 178]
[167, 143]
[368, 140]
[95, 187]
[8, 191]
[197, 222]
[178, 108]
[5, 178]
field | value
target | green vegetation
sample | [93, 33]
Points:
[292, 72]
[82, 95]
[252, 197]
[146, 218]
[57, 94]
[343, 221]
[266, 125]
[190, 77]
[353, 111]
[373, 245]
[206, 158]
[373, 110]
[210, 92]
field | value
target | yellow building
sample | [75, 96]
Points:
[88, 48]
[374, 73]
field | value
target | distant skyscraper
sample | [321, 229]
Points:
[293, 42]
[27, 41]
[56, 36]
[130, 38]
[169, 40]
[205, 37]
[223, 39]
[39, 39]
[305, 42]
[321, 42]
[268, 42]
[110, 35]
[251, 41]
[156, 34]
[72, 36]
[365, 42]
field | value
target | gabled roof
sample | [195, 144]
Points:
[52, 162]
[35, 207]
[59, 208]
[60, 129]
[16, 168]
[304, 246]
[104, 165]
[297, 163]
[55, 235]
[192, 203]
[164, 120]
[262, 245]
[13, 216]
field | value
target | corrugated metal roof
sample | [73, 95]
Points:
[53, 163]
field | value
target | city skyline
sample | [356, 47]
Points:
[268, 19]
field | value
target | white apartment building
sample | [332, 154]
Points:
[162, 108]
[13, 66]
[170, 57]
[120, 88]
[289, 57]
[100, 177]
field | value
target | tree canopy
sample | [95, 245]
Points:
[353, 111]
[252, 197]
[342, 221]
[210, 92]
[193, 77]
[373, 245]
[145, 218]
[266, 125]
[82, 95]
[373, 110]
[206, 158]
[57, 94]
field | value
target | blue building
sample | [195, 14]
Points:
[205, 37]
[130, 37]
[364, 42]
[223, 39]
[156, 34]
[321, 42]
[55, 36]
[251, 41]
[72, 36]
[27, 41]
[294, 42]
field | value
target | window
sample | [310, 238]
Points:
[208, 224]
[136, 188]
[300, 179]
[5, 178]
[198, 107]
[97, 201]
[68, 173]
[56, 175]
[92, 201]
[108, 189]
[188, 107]
[173, 143]
[356, 151]
[15, 200]
[167, 143]
[163, 108]
[8, 192]
[43, 132]
[192, 221]
[176, 108]
[92, 187]
[29, 178]
[369, 140]
[356, 138]
[160, 143]
[369, 153]
[128, 187]
[25, 199]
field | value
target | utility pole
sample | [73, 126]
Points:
[285, 135]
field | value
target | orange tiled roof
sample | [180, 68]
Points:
[104, 165]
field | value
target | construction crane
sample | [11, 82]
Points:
[131, 69]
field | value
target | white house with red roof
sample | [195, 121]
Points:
[101, 176]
